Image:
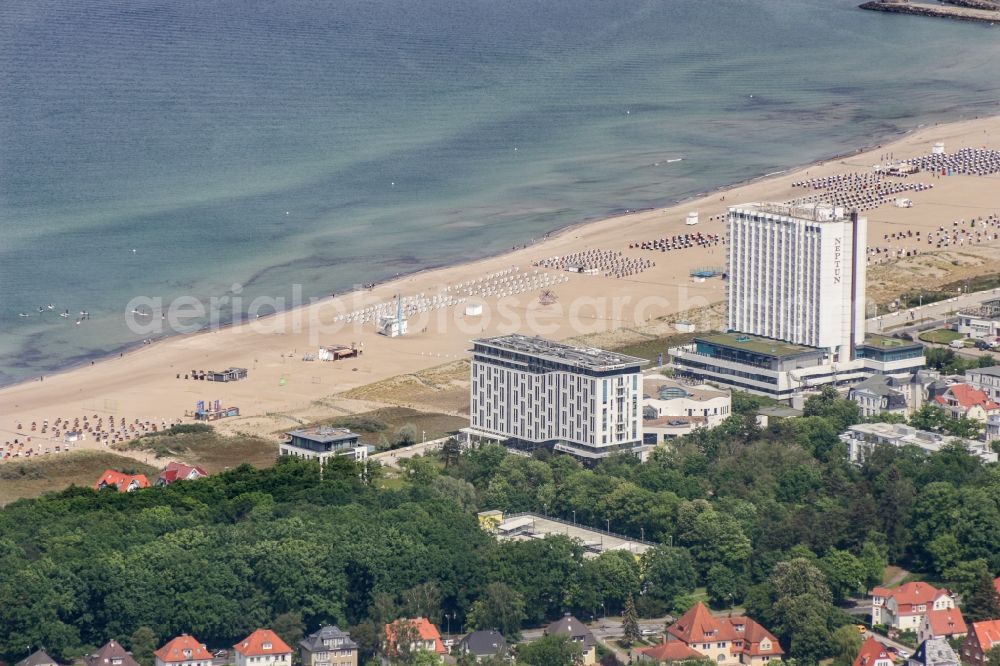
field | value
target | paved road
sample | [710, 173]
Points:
[896, 322]
[392, 458]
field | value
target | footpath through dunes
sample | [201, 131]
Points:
[971, 10]
[949, 213]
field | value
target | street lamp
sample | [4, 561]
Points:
[642, 534]
[574, 516]
[609, 524]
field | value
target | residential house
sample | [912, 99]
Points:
[904, 607]
[579, 633]
[982, 638]
[734, 639]
[986, 380]
[418, 632]
[111, 654]
[263, 648]
[184, 650]
[888, 394]
[328, 647]
[667, 652]
[176, 471]
[483, 644]
[934, 652]
[964, 400]
[123, 483]
[873, 653]
[37, 658]
[944, 623]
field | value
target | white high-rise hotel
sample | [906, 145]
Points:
[530, 392]
[797, 273]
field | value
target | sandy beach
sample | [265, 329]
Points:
[144, 384]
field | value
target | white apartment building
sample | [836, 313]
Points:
[530, 392]
[863, 437]
[672, 409]
[797, 274]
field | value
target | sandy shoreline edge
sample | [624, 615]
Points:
[130, 348]
[148, 382]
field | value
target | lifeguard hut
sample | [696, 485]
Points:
[337, 352]
[393, 327]
[938, 148]
[692, 219]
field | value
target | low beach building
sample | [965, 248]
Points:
[120, 481]
[982, 321]
[321, 443]
[176, 471]
[531, 393]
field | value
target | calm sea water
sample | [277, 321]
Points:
[328, 143]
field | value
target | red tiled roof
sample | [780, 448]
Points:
[987, 633]
[120, 480]
[698, 625]
[671, 650]
[253, 645]
[967, 396]
[946, 622]
[424, 628]
[176, 471]
[183, 648]
[873, 653]
[912, 594]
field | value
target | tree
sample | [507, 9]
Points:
[667, 572]
[984, 601]
[845, 643]
[963, 426]
[630, 624]
[406, 436]
[551, 650]
[424, 658]
[993, 656]
[451, 450]
[499, 607]
[845, 573]
[929, 417]
[289, 627]
[423, 600]
[142, 645]
[724, 586]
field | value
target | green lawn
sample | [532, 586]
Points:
[381, 425]
[209, 449]
[941, 336]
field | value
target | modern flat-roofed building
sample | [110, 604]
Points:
[529, 392]
[796, 306]
[863, 437]
[981, 321]
[321, 443]
[797, 273]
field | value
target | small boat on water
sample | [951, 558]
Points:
[64, 315]
[23, 314]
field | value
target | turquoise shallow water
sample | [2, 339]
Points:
[332, 143]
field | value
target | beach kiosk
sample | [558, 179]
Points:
[938, 148]
[692, 219]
